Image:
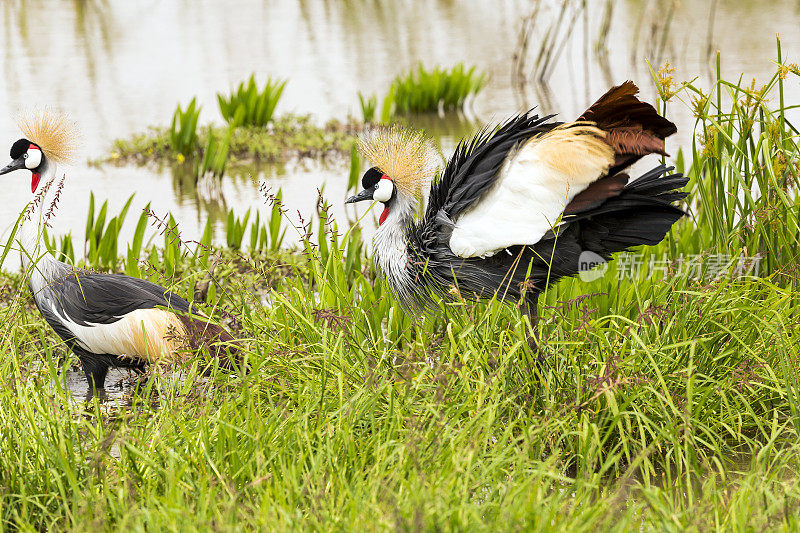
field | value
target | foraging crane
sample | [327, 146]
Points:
[106, 319]
[516, 207]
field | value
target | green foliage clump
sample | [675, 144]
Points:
[101, 239]
[424, 91]
[215, 154]
[250, 106]
[369, 106]
[183, 132]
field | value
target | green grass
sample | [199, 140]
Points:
[355, 414]
[666, 403]
[250, 106]
[424, 91]
[183, 131]
[747, 154]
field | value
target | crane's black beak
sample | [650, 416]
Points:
[366, 194]
[14, 165]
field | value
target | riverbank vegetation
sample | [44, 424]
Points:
[669, 398]
[254, 133]
[286, 137]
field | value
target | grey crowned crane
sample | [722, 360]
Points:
[516, 206]
[106, 319]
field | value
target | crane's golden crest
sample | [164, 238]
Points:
[405, 155]
[52, 131]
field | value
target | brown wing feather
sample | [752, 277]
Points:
[597, 193]
[633, 128]
[633, 140]
[205, 334]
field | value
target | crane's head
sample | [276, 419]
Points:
[404, 162]
[49, 138]
[28, 155]
[377, 186]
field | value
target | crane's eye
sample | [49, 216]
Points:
[25, 156]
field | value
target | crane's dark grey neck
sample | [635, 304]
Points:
[390, 245]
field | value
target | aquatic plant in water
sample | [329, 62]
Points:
[288, 136]
[215, 155]
[250, 106]
[369, 105]
[183, 132]
[422, 91]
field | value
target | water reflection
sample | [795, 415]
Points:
[118, 67]
[119, 386]
[205, 192]
[445, 130]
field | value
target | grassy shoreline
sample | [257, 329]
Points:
[664, 402]
[287, 137]
[669, 398]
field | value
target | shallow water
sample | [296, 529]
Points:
[118, 67]
[119, 386]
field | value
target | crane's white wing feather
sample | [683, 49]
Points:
[535, 185]
[148, 334]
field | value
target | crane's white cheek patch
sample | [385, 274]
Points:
[34, 158]
[384, 191]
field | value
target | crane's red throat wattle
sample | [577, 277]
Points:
[385, 214]
[35, 177]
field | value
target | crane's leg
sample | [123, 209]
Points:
[95, 369]
[529, 304]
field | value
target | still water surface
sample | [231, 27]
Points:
[118, 67]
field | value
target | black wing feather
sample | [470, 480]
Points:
[642, 213]
[475, 164]
[97, 298]
[469, 174]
